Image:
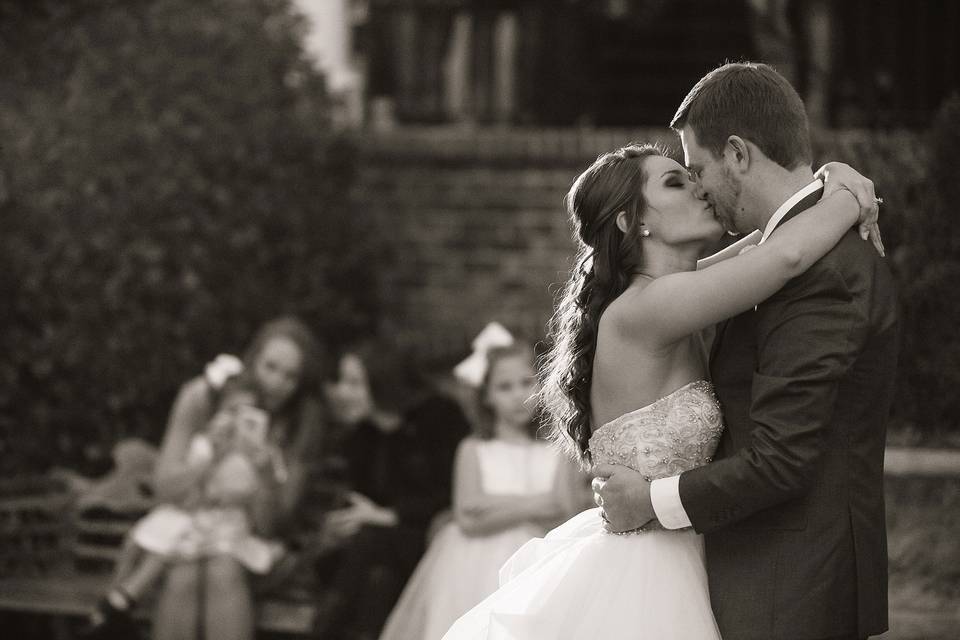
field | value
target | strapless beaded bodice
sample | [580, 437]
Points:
[665, 438]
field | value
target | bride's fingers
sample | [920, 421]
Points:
[864, 193]
[875, 238]
[869, 211]
[871, 231]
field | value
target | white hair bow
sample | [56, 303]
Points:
[223, 367]
[472, 369]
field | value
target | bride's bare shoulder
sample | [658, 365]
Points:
[628, 302]
[628, 309]
[655, 314]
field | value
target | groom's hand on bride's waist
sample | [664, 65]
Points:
[624, 496]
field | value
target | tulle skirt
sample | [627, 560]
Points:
[581, 583]
[456, 573]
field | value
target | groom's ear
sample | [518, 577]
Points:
[737, 152]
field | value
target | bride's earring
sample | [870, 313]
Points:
[645, 233]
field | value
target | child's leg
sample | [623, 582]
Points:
[229, 602]
[175, 617]
[128, 559]
[111, 617]
[143, 559]
[143, 576]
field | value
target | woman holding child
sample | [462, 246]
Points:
[230, 473]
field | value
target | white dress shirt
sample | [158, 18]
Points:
[788, 205]
[665, 492]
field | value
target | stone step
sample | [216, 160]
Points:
[910, 461]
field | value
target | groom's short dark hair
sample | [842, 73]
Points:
[753, 101]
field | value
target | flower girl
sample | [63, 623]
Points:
[508, 487]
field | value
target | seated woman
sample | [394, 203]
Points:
[207, 588]
[397, 437]
[229, 454]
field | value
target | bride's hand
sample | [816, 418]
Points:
[837, 176]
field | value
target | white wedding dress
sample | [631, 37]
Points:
[460, 570]
[582, 583]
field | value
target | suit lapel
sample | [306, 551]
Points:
[715, 345]
[735, 360]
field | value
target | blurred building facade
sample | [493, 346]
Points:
[473, 117]
[629, 62]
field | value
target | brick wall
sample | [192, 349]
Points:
[474, 227]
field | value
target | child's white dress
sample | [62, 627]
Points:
[178, 533]
[458, 571]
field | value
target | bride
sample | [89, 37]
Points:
[629, 354]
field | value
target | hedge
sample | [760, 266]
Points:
[916, 174]
[168, 181]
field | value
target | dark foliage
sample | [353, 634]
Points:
[897, 162]
[168, 182]
[917, 177]
[930, 287]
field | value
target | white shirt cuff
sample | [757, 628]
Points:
[665, 497]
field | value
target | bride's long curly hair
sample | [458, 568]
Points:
[605, 262]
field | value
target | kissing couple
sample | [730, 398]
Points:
[732, 408]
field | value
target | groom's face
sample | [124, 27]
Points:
[717, 183]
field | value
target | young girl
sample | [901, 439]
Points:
[508, 488]
[228, 455]
[284, 363]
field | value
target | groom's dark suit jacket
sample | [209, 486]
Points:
[792, 510]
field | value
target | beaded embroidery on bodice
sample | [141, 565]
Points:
[665, 438]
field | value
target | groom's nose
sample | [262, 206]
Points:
[698, 191]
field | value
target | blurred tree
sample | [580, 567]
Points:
[168, 182]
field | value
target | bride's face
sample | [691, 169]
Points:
[676, 213]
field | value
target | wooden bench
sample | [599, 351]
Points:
[75, 596]
[55, 563]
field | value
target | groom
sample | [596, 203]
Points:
[792, 509]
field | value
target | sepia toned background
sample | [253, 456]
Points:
[175, 172]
